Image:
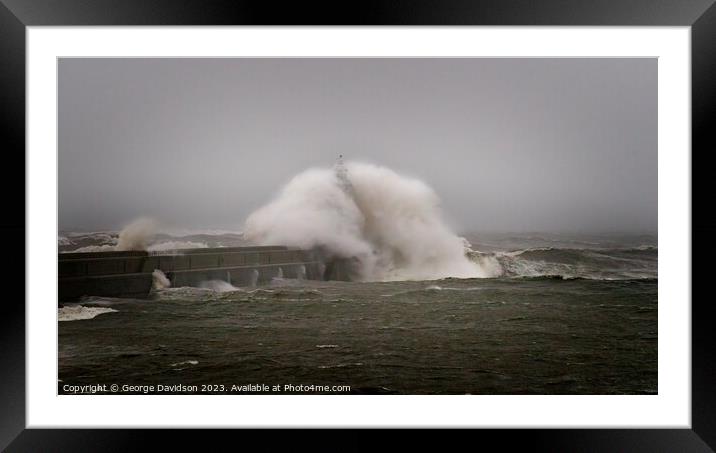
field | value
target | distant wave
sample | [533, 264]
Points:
[142, 238]
[640, 248]
[92, 248]
[385, 225]
[176, 245]
[97, 235]
[158, 247]
[562, 277]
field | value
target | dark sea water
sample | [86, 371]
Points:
[566, 316]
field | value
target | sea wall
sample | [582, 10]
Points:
[129, 274]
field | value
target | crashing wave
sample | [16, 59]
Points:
[81, 312]
[388, 226]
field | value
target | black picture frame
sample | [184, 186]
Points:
[16, 15]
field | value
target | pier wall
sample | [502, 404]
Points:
[129, 274]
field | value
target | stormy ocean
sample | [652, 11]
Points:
[561, 314]
[452, 225]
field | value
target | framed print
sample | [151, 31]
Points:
[474, 215]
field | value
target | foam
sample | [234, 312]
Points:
[389, 226]
[80, 312]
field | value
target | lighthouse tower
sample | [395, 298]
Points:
[342, 176]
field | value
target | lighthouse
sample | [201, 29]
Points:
[342, 176]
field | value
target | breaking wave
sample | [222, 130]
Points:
[570, 263]
[388, 226]
[159, 280]
[136, 235]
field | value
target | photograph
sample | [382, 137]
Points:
[357, 226]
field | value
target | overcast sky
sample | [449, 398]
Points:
[508, 144]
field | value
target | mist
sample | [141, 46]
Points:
[504, 144]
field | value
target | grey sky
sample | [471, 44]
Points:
[508, 144]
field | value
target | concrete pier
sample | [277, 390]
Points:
[129, 274]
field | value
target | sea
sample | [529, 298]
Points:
[565, 314]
